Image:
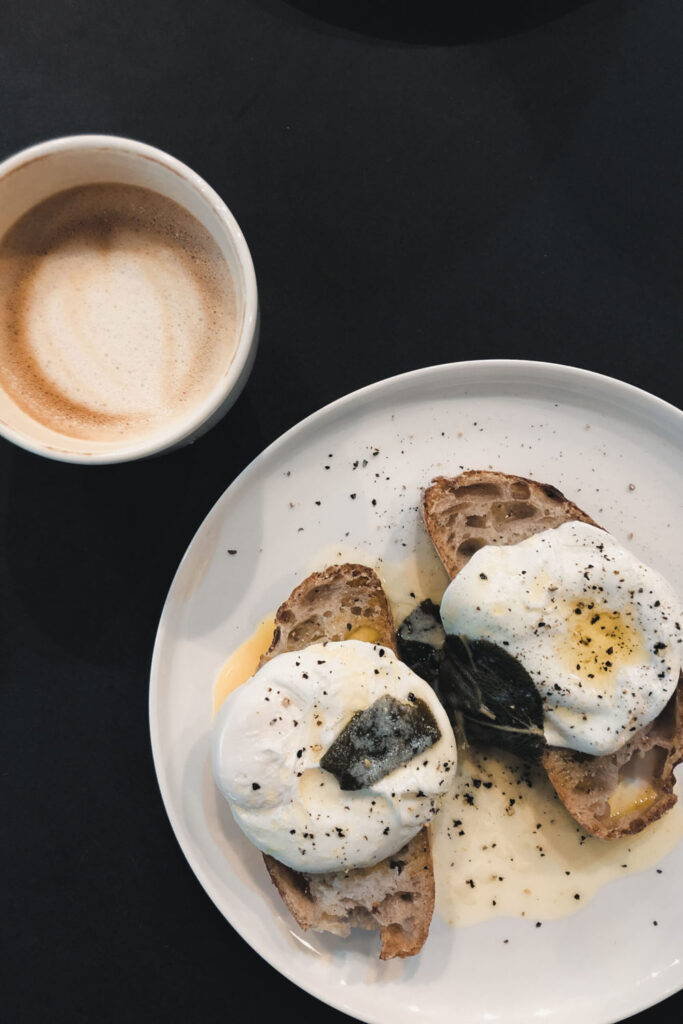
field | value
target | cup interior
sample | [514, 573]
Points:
[35, 175]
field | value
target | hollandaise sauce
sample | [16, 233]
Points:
[504, 845]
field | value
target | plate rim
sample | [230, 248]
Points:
[561, 370]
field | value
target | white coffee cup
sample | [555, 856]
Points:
[37, 173]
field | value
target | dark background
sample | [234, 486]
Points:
[416, 187]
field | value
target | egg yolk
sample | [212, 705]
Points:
[598, 642]
[242, 664]
[366, 633]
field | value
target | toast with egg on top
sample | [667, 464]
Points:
[477, 508]
[396, 896]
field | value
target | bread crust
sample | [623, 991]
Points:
[395, 896]
[464, 513]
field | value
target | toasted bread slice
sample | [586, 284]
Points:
[464, 513]
[585, 784]
[344, 602]
[397, 895]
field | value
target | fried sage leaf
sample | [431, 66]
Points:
[387, 734]
[420, 639]
[502, 707]
[477, 682]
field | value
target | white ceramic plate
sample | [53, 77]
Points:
[616, 451]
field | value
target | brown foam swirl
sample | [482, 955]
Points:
[117, 312]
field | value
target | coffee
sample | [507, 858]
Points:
[117, 312]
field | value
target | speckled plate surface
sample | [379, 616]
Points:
[350, 475]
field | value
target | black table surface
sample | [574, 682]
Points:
[416, 187]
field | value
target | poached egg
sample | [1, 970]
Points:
[270, 735]
[598, 632]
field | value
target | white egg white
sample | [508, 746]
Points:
[270, 734]
[598, 632]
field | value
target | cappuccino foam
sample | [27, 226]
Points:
[117, 312]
